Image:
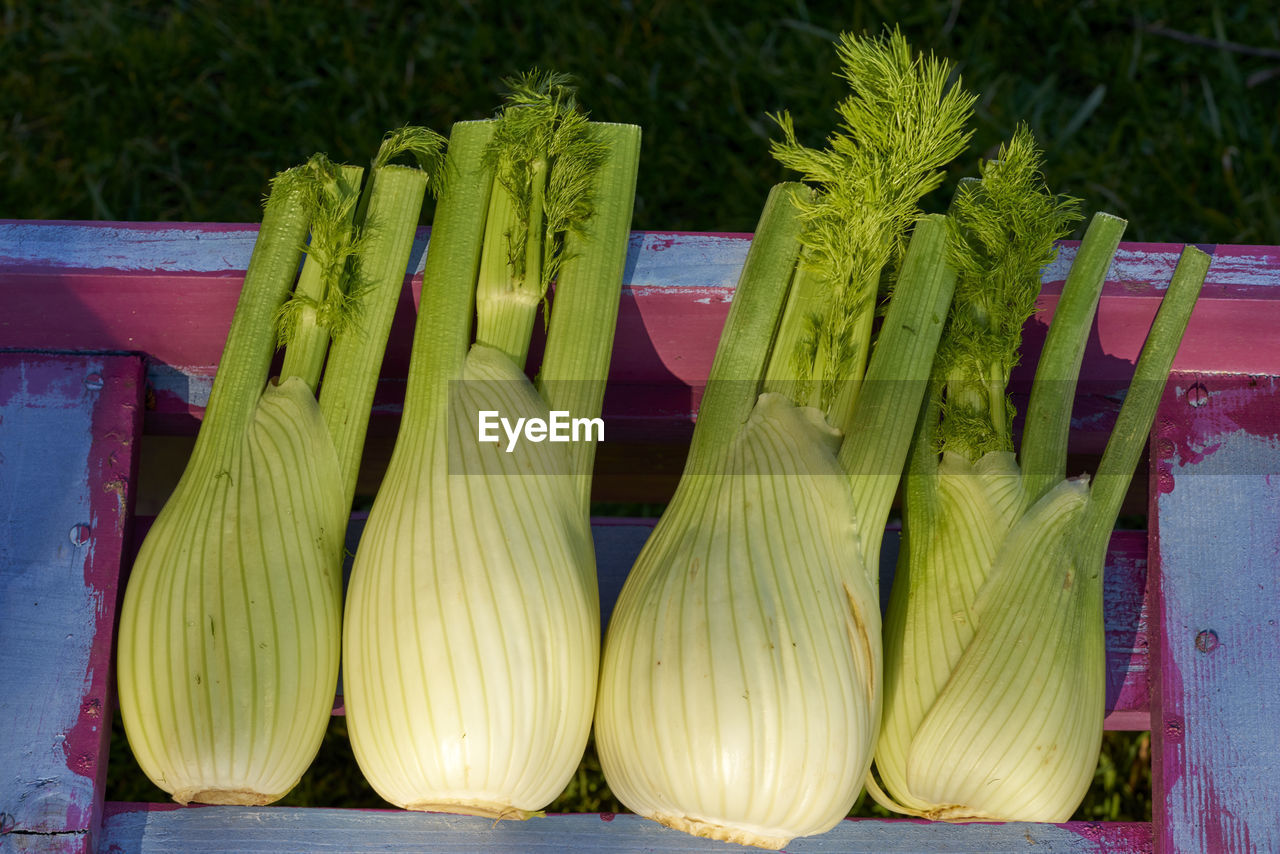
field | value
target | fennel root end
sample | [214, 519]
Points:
[228, 797]
[758, 837]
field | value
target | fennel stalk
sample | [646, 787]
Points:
[741, 676]
[994, 655]
[229, 629]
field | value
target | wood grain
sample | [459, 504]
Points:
[130, 829]
[67, 430]
[1216, 493]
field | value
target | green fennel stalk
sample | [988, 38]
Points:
[994, 657]
[229, 637]
[473, 630]
[740, 680]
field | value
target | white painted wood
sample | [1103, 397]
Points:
[1218, 752]
[656, 259]
[218, 830]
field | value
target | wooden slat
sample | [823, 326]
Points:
[67, 430]
[1216, 492]
[1127, 626]
[169, 290]
[130, 829]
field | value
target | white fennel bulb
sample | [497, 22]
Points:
[472, 637]
[741, 677]
[473, 618]
[995, 669]
[231, 621]
[230, 630]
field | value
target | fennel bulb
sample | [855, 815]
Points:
[230, 627]
[741, 675]
[472, 625]
[229, 637]
[995, 665]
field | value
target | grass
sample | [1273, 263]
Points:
[181, 111]
[1166, 113]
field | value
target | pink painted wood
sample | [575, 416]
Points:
[68, 429]
[165, 292]
[1215, 500]
[169, 290]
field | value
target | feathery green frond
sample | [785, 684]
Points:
[1003, 232]
[900, 124]
[546, 154]
[425, 145]
[298, 187]
[334, 243]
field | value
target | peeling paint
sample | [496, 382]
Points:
[1213, 407]
[74, 418]
[1240, 270]
[1219, 517]
[192, 247]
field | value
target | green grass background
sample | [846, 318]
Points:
[181, 111]
[1165, 113]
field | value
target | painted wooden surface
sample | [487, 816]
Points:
[1216, 493]
[67, 428]
[168, 290]
[206, 830]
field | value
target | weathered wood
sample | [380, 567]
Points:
[1216, 493]
[169, 291]
[67, 430]
[206, 830]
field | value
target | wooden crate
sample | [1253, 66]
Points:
[109, 337]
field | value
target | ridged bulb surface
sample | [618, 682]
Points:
[960, 522]
[473, 625]
[739, 694]
[230, 627]
[1012, 731]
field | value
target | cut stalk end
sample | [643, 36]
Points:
[1048, 422]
